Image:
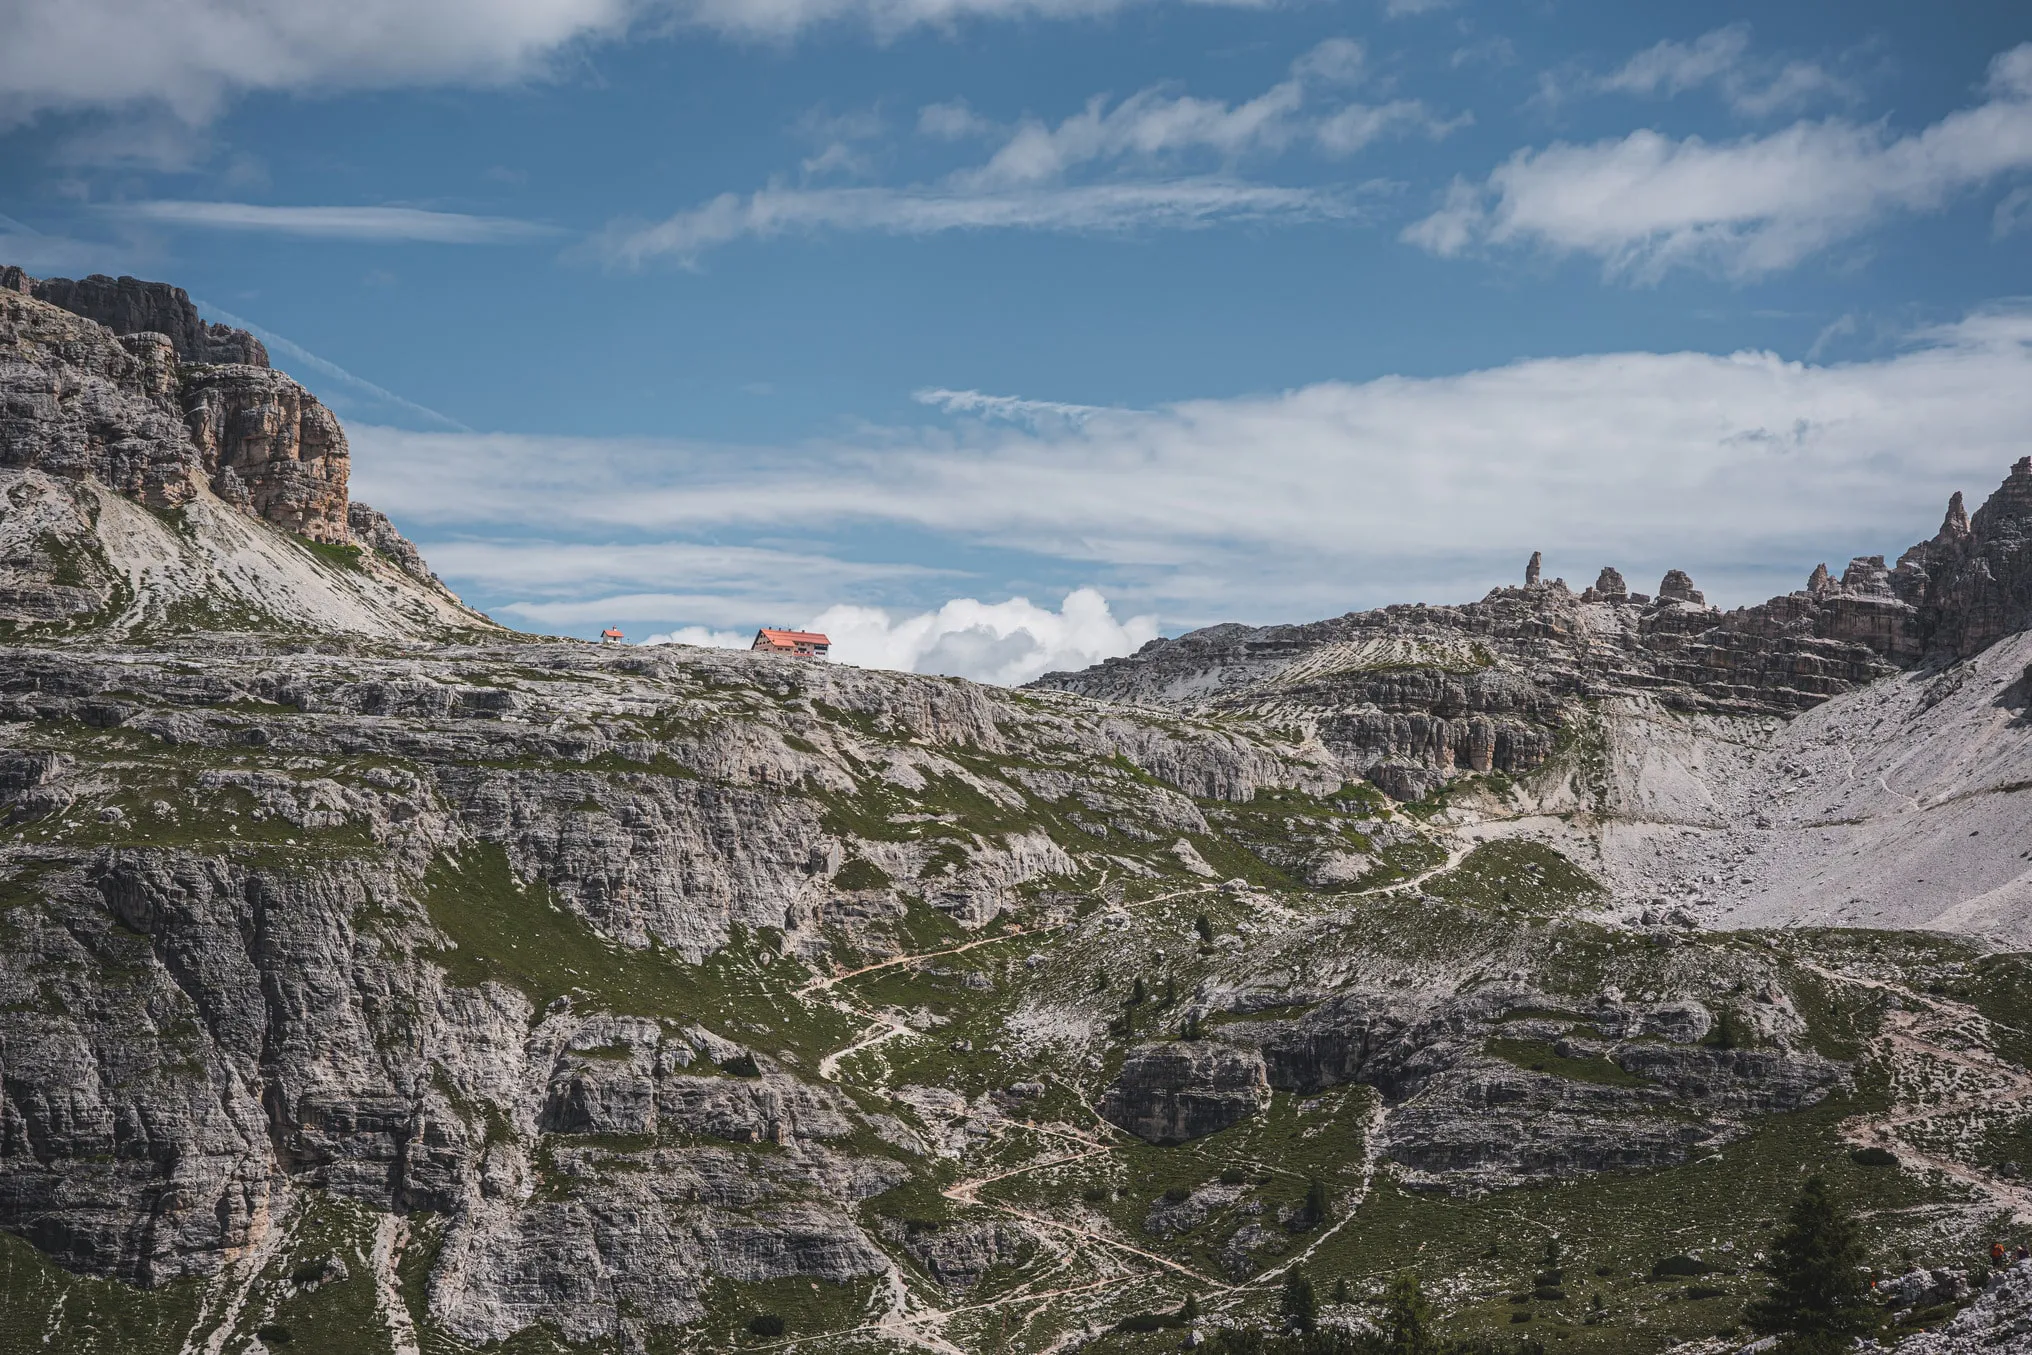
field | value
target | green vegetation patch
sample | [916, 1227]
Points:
[513, 932]
[44, 1308]
[1525, 876]
[1539, 1056]
[335, 554]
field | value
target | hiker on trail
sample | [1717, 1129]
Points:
[1996, 1253]
[2022, 1253]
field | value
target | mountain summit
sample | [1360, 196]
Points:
[156, 475]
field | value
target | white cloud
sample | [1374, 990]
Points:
[1004, 642]
[194, 56]
[1095, 208]
[1010, 407]
[1751, 86]
[1176, 155]
[703, 637]
[1744, 468]
[953, 120]
[390, 224]
[1647, 203]
[1675, 67]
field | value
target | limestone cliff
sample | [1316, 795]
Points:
[124, 459]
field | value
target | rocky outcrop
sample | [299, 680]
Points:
[141, 411]
[84, 412]
[130, 306]
[1411, 696]
[270, 449]
[1620, 1088]
[374, 531]
[79, 403]
[1187, 1089]
[228, 984]
[1999, 1320]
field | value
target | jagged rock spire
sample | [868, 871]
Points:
[1609, 583]
[1531, 570]
[1820, 581]
[1955, 526]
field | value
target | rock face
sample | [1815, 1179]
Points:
[225, 988]
[1169, 1093]
[84, 412]
[270, 449]
[139, 409]
[130, 306]
[374, 531]
[1999, 1320]
[1410, 696]
[1616, 1088]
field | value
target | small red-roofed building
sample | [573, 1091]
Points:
[802, 644]
[610, 636]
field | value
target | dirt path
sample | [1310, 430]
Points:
[1909, 1046]
[819, 983]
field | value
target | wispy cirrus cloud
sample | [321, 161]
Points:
[386, 224]
[1089, 208]
[1721, 59]
[1158, 159]
[1646, 203]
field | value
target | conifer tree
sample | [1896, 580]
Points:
[1818, 1297]
[1139, 993]
[1407, 1323]
[1317, 1206]
[1298, 1303]
[1205, 929]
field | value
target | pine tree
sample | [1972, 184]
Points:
[1188, 1311]
[1138, 994]
[1317, 1206]
[1340, 1291]
[1205, 929]
[1298, 1303]
[1407, 1323]
[1818, 1295]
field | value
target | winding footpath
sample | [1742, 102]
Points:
[1912, 1044]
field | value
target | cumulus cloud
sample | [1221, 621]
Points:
[385, 224]
[702, 637]
[1647, 203]
[1745, 468]
[1173, 158]
[195, 55]
[1003, 642]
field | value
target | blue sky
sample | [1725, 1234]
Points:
[697, 314]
